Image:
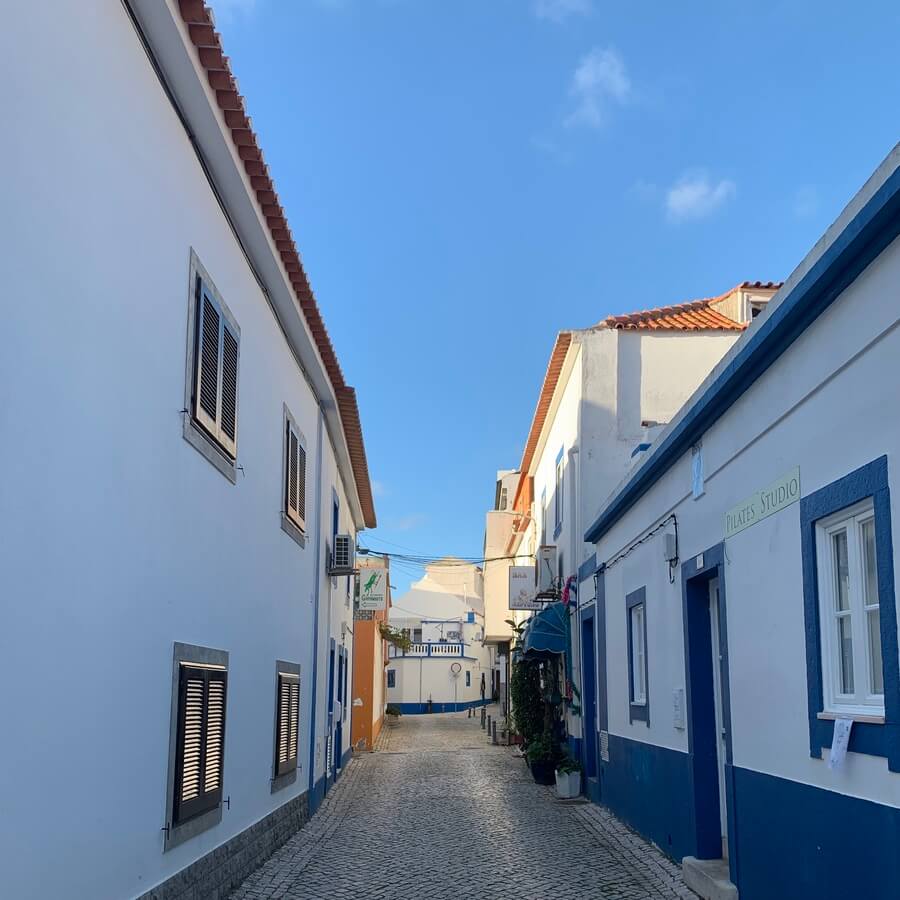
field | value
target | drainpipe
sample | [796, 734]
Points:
[575, 556]
[317, 579]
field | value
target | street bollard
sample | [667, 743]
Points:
[482, 718]
[494, 733]
[489, 726]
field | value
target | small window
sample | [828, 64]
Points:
[200, 741]
[636, 609]
[559, 492]
[294, 474]
[216, 352]
[392, 678]
[417, 635]
[504, 498]
[468, 678]
[850, 614]
[287, 729]
[543, 517]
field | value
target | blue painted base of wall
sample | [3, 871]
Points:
[649, 788]
[316, 795]
[794, 840]
[418, 709]
[574, 746]
[345, 759]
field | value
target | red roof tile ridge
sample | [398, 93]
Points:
[199, 20]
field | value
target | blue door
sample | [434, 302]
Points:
[339, 726]
[329, 750]
[589, 694]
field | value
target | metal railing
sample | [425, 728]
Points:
[430, 648]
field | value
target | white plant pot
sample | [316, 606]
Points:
[568, 785]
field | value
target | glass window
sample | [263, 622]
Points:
[638, 655]
[853, 675]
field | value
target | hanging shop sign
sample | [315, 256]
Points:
[372, 588]
[778, 495]
[521, 588]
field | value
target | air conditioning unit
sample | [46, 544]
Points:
[343, 556]
[547, 580]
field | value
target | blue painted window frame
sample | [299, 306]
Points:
[468, 678]
[637, 712]
[868, 482]
[559, 474]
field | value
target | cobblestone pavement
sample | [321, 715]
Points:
[437, 812]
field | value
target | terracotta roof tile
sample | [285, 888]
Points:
[197, 17]
[695, 315]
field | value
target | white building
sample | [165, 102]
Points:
[447, 662]
[174, 653]
[746, 595]
[607, 391]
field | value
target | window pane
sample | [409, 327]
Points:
[841, 571]
[876, 673]
[845, 652]
[868, 536]
[637, 654]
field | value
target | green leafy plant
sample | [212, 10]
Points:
[527, 702]
[542, 749]
[400, 639]
[392, 710]
[568, 764]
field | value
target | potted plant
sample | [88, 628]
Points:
[392, 715]
[568, 778]
[541, 755]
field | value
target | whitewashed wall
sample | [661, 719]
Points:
[821, 406]
[119, 537]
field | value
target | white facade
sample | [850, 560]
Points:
[120, 538]
[443, 615]
[817, 410]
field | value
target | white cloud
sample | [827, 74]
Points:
[378, 489]
[696, 196]
[560, 10]
[599, 82]
[806, 202]
[407, 523]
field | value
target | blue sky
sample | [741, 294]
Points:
[465, 178]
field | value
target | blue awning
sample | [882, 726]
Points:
[547, 632]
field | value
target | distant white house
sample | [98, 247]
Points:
[180, 451]
[608, 391]
[447, 663]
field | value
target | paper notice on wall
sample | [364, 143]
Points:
[839, 743]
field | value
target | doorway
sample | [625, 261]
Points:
[589, 696]
[708, 708]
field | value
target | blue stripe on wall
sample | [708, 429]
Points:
[649, 787]
[418, 709]
[796, 841]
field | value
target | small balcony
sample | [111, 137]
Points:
[430, 648]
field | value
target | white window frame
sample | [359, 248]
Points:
[636, 633]
[861, 702]
[560, 499]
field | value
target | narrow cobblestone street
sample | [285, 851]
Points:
[438, 812]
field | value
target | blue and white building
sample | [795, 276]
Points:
[447, 662]
[745, 609]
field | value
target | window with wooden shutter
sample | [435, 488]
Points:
[294, 476]
[216, 355]
[288, 725]
[200, 741]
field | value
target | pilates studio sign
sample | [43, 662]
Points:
[765, 502]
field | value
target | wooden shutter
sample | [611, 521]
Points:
[288, 726]
[200, 741]
[216, 352]
[206, 351]
[295, 477]
[228, 417]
